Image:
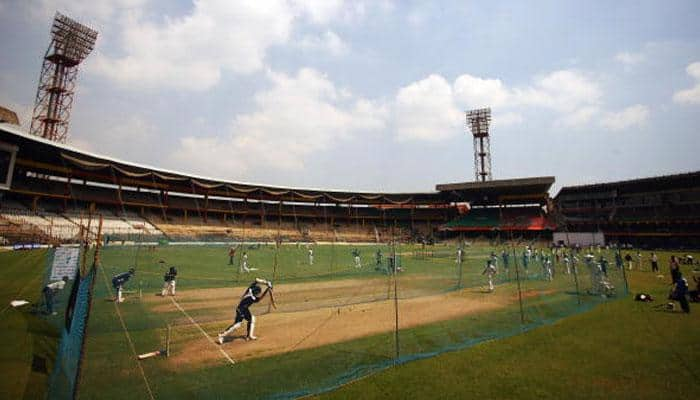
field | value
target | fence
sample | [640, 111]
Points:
[342, 310]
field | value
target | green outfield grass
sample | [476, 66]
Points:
[305, 370]
[24, 335]
[618, 350]
[563, 337]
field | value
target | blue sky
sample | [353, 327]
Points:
[370, 95]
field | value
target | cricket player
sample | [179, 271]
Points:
[618, 260]
[574, 263]
[250, 296]
[639, 260]
[459, 258]
[567, 263]
[603, 262]
[506, 258]
[118, 282]
[231, 255]
[494, 259]
[49, 291]
[311, 256]
[244, 263]
[525, 261]
[169, 282]
[654, 263]
[490, 272]
[547, 267]
[356, 256]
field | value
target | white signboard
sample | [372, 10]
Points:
[65, 262]
[579, 238]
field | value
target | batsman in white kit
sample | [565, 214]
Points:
[169, 280]
[250, 296]
[490, 272]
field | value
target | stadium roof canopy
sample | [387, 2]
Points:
[52, 158]
[652, 184]
[504, 191]
[42, 156]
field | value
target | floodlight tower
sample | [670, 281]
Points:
[478, 122]
[70, 43]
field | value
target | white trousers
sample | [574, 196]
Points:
[168, 288]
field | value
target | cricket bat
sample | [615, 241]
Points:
[151, 354]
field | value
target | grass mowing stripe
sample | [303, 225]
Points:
[128, 337]
[202, 330]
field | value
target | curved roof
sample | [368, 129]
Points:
[663, 182]
[43, 152]
[50, 157]
[519, 190]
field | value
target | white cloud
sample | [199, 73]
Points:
[692, 95]
[132, 138]
[299, 116]
[635, 115]
[506, 119]
[629, 59]
[85, 11]
[432, 109]
[192, 52]
[319, 11]
[474, 92]
[578, 118]
[563, 90]
[328, 41]
[425, 110]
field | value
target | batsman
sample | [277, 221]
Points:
[250, 296]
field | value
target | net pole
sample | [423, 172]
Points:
[517, 278]
[573, 263]
[278, 241]
[578, 291]
[461, 259]
[233, 218]
[396, 295]
[95, 264]
[624, 277]
[86, 240]
[333, 255]
[161, 205]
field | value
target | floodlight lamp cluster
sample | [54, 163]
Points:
[478, 121]
[72, 40]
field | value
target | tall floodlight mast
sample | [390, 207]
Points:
[71, 43]
[478, 122]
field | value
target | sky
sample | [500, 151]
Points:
[371, 95]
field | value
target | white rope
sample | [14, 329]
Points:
[202, 330]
